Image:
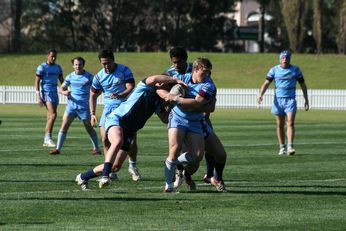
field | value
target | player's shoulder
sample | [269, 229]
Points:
[170, 70]
[294, 67]
[42, 65]
[88, 74]
[122, 67]
[100, 74]
[70, 75]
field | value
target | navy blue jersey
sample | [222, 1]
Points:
[132, 114]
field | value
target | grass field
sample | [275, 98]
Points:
[229, 70]
[266, 191]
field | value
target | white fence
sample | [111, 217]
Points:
[226, 98]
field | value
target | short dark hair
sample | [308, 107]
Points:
[106, 53]
[178, 52]
[51, 50]
[80, 59]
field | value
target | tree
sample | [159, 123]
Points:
[341, 37]
[16, 9]
[317, 24]
[293, 12]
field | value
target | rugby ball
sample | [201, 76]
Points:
[177, 90]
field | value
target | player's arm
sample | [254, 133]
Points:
[64, 90]
[94, 93]
[160, 80]
[37, 90]
[129, 86]
[263, 89]
[199, 103]
[61, 79]
[165, 108]
[305, 93]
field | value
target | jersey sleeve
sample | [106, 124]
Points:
[298, 73]
[128, 75]
[207, 91]
[67, 81]
[271, 73]
[40, 71]
[96, 85]
[60, 70]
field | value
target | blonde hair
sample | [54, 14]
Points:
[203, 63]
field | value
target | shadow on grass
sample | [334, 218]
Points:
[292, 186]
[121, 199]
[28, 223]
[44, 165]
[308, 193]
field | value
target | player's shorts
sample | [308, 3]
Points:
[106, 111]
[114, 120]
[281, 106]
[50, 96]
[196, 126]
[74, 109]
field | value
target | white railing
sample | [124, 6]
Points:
[226, 98]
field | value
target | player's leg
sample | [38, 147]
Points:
[104, 139]
[280, 132]
[93, 136]
[133, 170]
[278, 109]
[51, 117]
[175, 141]
[214, 146]
[195, 146]
[115, 137]
[66, 122]
[209, 157]
[290, 110]
[290, 132]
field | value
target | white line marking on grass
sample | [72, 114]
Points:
[270, 144]
[226, 145]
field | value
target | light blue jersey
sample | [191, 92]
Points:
[112, 83]
[173, 72]
[80, 89]
[49, 75]
[205, 89]
[285, 80]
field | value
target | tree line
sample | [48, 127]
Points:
[316, 26]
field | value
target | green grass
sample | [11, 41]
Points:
[229, 70]
[266, 191]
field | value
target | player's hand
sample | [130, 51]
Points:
[306, 105]
[113, 95]
[171, 98]
[182, 83]
[40, 102]
[259, 99]
[93, 121]
[66, 93]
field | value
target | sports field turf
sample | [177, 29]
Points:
[265, 191]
